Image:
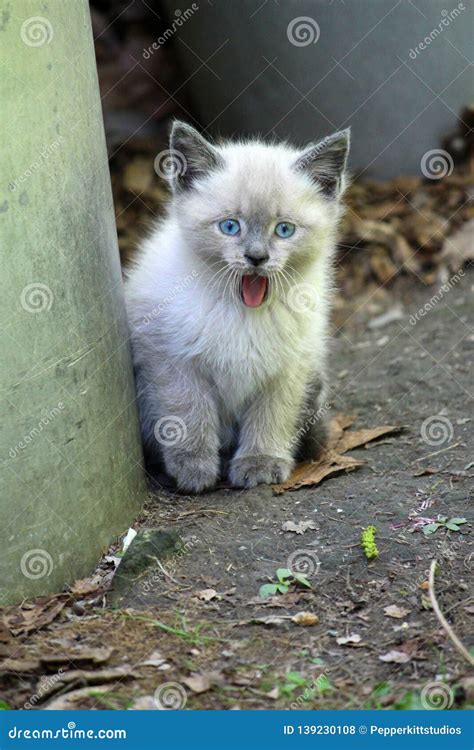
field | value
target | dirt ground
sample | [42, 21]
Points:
[192, 630]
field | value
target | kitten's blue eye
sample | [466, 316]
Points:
[285, 229]
[229, 226]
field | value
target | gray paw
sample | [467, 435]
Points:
[193, 473]
[248, 471]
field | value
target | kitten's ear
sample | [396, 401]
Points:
[325, 162]
[191, 154]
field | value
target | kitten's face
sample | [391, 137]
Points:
[256, 213]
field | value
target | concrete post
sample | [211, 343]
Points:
[71, 474]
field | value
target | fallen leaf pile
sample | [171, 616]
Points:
[407, 224]
[33, 615]
[416, 224]
[333, 460]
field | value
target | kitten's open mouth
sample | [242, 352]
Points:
[254, 289]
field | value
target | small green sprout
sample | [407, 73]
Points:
[453, 524]
[285, 579]
[367, 541]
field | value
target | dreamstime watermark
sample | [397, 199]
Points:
[170, 696]
[437, 297]
[302, 31]
[437, 696]
[36, 564]
[48, 416]
[419, 584]
[303, 562]
[36, 165]
[175, 292]
[36, 31]
[302, 298]
[36, 297]
[309, 422]
[170, 430]
[64, 733]
[311, 154]
[436, 164]
[43, 688]
[319, 686]
[170, 163]
[436, 431]
[157, 574]
[180, 18]
[447, 16]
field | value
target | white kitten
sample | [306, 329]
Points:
[228, 307]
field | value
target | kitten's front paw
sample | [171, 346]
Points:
[191, 473]
[248, 471]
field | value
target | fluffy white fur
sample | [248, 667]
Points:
[213, 374]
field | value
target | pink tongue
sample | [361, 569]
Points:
[254, 289]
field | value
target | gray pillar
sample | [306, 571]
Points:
[71, 475]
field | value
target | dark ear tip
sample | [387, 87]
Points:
[347, 134]
[179, 127]
[341, 136]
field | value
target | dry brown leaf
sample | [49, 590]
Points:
[332, 461]
[392, 315]
[358, 438]
[427, 470]
[244, 680]
[78, 656]
[269, 620]
[274, 694]
[425, 229]
[34, 616]
[87, 586]
[74, 677]
[19, 665]
[350, 640]
[305, 618]
[70, 700]
[5, 635]
[381, 264]
[155, 659]
[298, 528]
[200, 683]
[386, 235]
[459, 247]
[394, 611]
[397, 657]
[338, 424]
[206, 595]
[311, 474]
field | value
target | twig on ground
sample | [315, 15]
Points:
[165, 572]
[436, 453]
[447, 627]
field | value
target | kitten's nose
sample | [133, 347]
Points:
[256, 257]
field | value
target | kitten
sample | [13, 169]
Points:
[228, 307]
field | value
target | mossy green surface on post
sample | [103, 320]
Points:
[71, 474]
